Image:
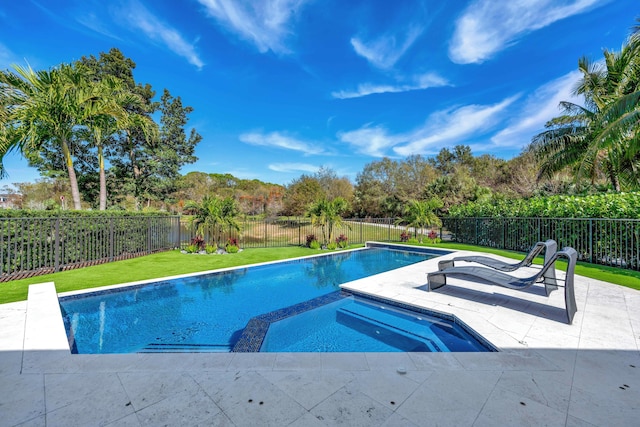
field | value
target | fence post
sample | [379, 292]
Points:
[389, 234]
[299, 231]
[591, 240]
[111, 239]
[56, 261]
[148, 235]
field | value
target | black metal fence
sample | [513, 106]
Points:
[33, 246]
[612, 242]
[287, 231]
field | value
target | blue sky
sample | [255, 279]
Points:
[282, 87]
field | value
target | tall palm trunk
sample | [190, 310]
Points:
[73, 180]
[103, 180]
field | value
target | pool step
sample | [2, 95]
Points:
[186, 348]
[387, 325]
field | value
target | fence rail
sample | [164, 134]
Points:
[612, 242]
[33, 246]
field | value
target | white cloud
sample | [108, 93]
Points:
[139, 17]
[441, 128]
[420, 82]
[488, 26]
[294, 167]
[385, 50]
[265, 23]
[452, 126]
[276, 139]
[372, 141]
[541, 106]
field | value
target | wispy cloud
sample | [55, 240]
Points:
[138, 16]
[488, 26]
[441, 128]
[265, 23]
[370, 140]
[276, 139]
[452, 126]
[420, 82]
[294, 167]
[539, 107]
[6, 57]
[385, 50]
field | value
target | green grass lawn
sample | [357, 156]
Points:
[172, 263]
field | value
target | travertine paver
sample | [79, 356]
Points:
[548, 372]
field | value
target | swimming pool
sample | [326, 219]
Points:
[209, 312]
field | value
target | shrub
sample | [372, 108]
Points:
[332, 246]
[314, 244]
[342, 241]
[232, 249]
[233, 242]
[413, 241]
[211, 248]
[311, 238]
[192, 249]
[606, 205]
[405, 236]
[199, 242]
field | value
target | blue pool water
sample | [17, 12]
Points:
[356, 324]
[209, 312]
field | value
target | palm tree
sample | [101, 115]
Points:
[420, 214]
[327, 214]
[43, 106]
[600, 137]
[214, 213]
[113, 110]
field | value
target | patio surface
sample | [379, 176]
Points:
[547, 372]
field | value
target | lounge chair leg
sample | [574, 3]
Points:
[436, 280]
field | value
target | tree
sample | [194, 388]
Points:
[327, 214]
[383, 186]
[113, 110]
[599, 138]
[420, 214]
[300, 194]
[214, 214]
[44, 107]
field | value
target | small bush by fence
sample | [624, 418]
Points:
[287, 231]
[612, 242]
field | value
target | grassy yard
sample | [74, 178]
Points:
[173, 263]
